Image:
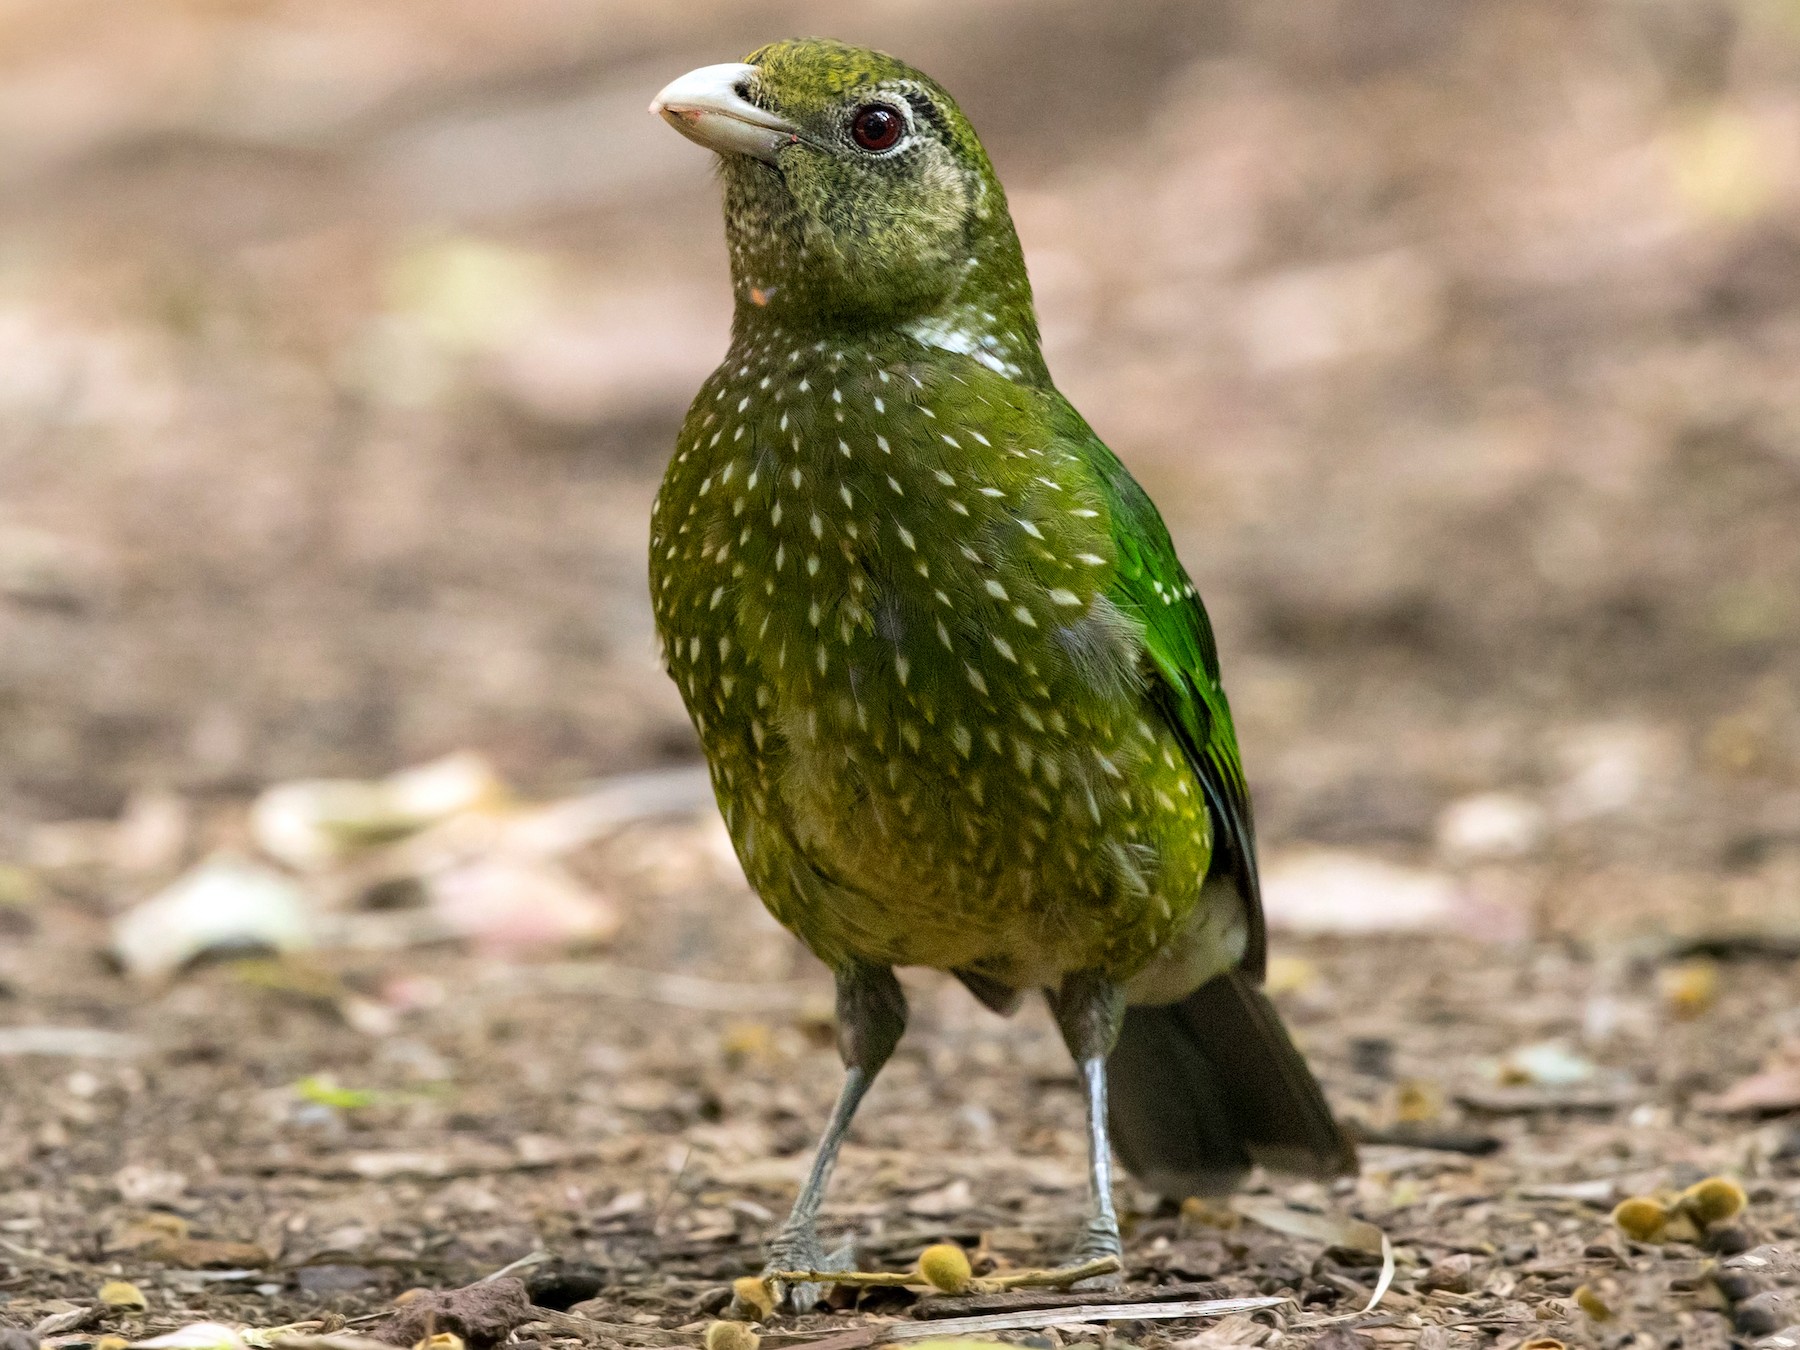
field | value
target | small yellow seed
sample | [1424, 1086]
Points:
[945, 1267]
[731, 1336]
[123, 1294]
[1641, 1219]
[1689, 989]
[1591, 1302]
[111, 1343]
[753, 1292]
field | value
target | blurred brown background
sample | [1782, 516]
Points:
[341, 347]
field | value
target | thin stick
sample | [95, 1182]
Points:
[1045, 1279]
[1032, 1320]
[856, 1279]
[529, 1259]
[992, 1284]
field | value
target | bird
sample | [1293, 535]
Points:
[960, 702]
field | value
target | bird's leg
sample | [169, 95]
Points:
[1089, 1011]
[871, 1014]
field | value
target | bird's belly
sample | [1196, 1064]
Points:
[1004, 834]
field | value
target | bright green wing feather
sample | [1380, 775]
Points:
[1151, 587]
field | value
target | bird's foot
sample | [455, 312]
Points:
[799, 1250]
[1099, 1237]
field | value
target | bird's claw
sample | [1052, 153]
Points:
[1099, 1237]
[797, 1251]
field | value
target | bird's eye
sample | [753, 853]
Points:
[876, 126]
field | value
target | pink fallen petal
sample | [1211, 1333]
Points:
[509, 904]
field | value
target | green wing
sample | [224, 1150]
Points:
[1182, 663]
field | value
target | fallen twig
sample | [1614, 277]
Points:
[1059, 1278]
[529, 1259]
[970, 1305]
[883, 1333]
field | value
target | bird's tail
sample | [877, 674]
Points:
[1201, 1089]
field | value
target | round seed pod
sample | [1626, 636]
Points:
[1641, 1219]
[752, 1292]
[123, 1296]
[731, 1336]
[1593, 1303]
[945, 1267]
[1714, 1200]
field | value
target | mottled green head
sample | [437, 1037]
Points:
[857, 195]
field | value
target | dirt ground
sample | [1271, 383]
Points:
[646, 1142]
[341, 349]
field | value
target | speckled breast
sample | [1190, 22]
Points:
[880, 580]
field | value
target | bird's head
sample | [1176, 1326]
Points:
[857, 195]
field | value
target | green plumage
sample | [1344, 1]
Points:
[961, 702]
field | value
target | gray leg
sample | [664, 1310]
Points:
[1089, 1012]
[871, 1014]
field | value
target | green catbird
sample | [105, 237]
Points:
[960, 700]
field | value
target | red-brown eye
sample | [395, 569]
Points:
[877, 126]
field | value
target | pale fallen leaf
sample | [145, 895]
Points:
[227, 903]
[314, 823]
[196, 1336]
[1545, 1064]
[1332, 891]
[1769, 1092]
[1333, 1229]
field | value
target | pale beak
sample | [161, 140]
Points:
[705, 105]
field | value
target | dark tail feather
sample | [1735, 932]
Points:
[1201, 1089]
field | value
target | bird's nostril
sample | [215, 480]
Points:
[742, 89]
